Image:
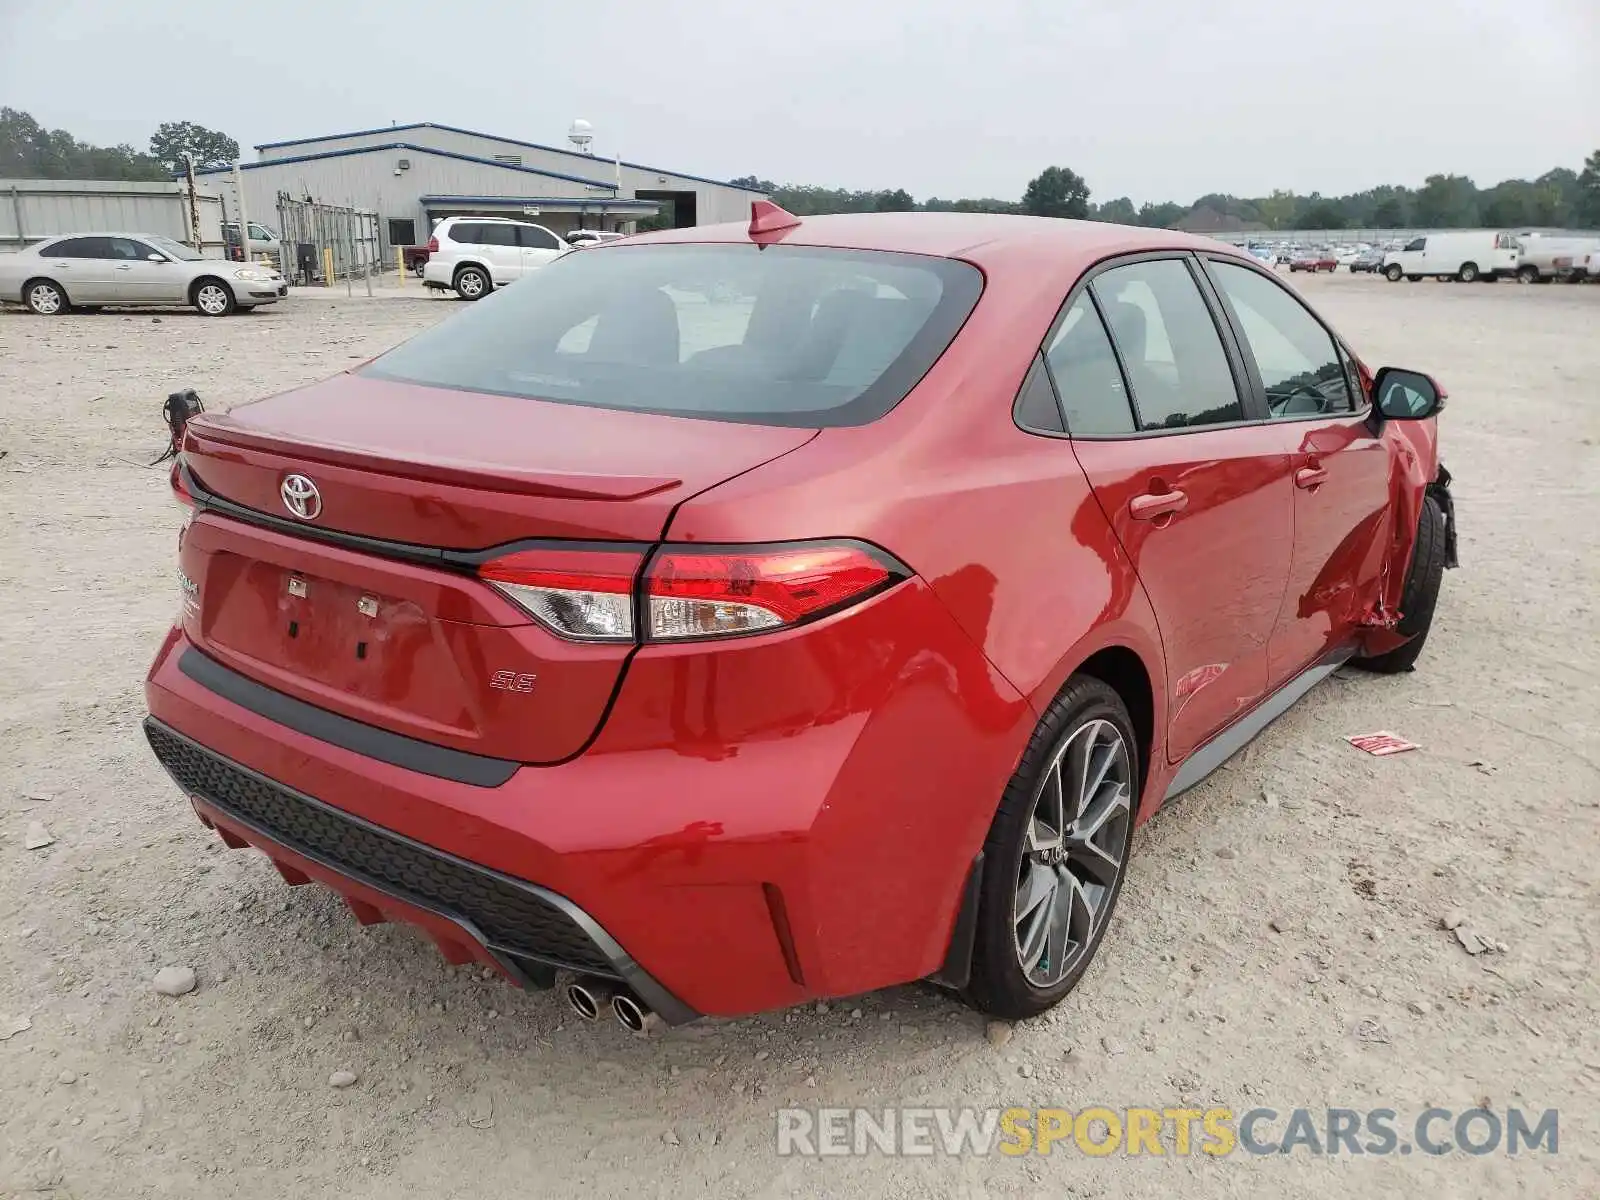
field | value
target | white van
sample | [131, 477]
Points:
[1467, 256]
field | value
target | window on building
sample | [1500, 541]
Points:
[402, 232]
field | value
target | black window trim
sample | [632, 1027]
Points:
[1362, 408]
[1251, 400]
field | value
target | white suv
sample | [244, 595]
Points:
[474, 255]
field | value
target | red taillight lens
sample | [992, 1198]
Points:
[585, 595]
[433, 245]
[689, 591]
[695, 593]
[179, 491]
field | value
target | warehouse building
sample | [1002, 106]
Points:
[416, 175]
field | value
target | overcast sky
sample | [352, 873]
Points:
[1155, 99]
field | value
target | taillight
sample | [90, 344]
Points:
[689, 592]
[181, 494]
[586, 595]
[433, 245]
[696, 593]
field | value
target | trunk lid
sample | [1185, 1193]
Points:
[422, 648]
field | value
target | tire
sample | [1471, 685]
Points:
[45, 298]
[418, 267]
[1393, 272]
[473, 283]
[1077, 902]
[1413, 278]
[1527, 274]
[1468, 273]
[212, 297]
[1420, 595]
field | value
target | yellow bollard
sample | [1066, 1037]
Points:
[400, 263]
[327, 266]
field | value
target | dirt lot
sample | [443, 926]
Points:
[1278, 943]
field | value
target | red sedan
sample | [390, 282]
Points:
[1313, 261]
[746, 615]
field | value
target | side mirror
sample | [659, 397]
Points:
[156, 257]
[1407, 395]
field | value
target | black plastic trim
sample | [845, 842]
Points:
[957, 969]
[671, 1009]
[393, 748]
[1202, 762]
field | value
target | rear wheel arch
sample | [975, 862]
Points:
[1122, 670]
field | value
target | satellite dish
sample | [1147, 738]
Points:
[581, 134]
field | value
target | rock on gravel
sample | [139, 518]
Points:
[11, 1026]
[37, 837]
[1452, 919]
[342, 1079]
[175, 981]
[998, 1033]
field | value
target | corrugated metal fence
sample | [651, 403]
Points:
[326, 242]
[34, 209]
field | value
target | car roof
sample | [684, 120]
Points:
[978, 237]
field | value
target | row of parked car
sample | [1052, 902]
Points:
[472, 256]
[1467, 255]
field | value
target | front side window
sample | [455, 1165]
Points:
[775, 335]
[538, 238]
[1295, 355]
[127, 250]
[1169, 345]
[1087, 376]
[1420, 243]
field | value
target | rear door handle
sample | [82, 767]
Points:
[1310, 477]
[1157, 504]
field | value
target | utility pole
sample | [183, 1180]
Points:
[194, 207]
[244, 215]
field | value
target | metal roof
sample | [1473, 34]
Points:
[608, 185]
[494, 137]
[602, 202]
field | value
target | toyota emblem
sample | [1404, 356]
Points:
[300, 497]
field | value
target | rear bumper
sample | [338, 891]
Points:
[797, 822]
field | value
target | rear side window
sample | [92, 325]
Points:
[1296, 357]
[1087, 376]
[775, 335]
[468, 233]
[539, 238]
[1169, 345]
[497, 235]
[84, 247]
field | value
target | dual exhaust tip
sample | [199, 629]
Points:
[588, 998]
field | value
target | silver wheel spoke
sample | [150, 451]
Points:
[1073, 849]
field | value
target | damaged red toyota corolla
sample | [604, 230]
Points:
[736, 616]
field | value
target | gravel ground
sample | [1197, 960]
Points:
[1278, 943]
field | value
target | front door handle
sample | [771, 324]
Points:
[125, 267]
[1310, 477]
[1157, 504]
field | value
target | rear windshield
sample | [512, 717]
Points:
[781, 335]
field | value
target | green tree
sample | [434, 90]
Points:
[172, 140]
[750, 181]
[898, 200]
[1390, 213]
[1277, 210]
[1324, 214]
[1586, 208]
[1057, 192]
[1161, 216]
[1447, 202]
[29, 151]
[1119, 212]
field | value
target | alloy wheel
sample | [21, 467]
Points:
[44, 299]
[211, 300]
[470, 284]
[1074, 852]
